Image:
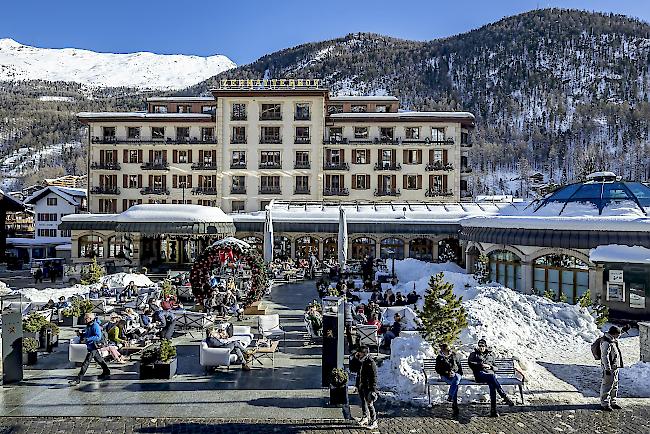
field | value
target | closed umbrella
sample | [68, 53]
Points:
[268, 236]
[343, 237]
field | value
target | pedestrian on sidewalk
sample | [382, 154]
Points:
[610, 361]
[481, 362]
[451, 372]
[367, 387]
[93, 338]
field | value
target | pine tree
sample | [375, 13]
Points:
[93, 274]
[482, 269]
[443, 314]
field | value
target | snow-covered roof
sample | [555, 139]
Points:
[404, 115]
[63, 248]
[620, 254]
[72, 195]
[598, 175]
[142, 115]
[12, 204]
[576, 223]
[180, 98]
[38, 241]
[176, 213]
[363, 98]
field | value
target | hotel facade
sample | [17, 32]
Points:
[253, 141]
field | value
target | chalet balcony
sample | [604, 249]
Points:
[384, 165]
[105, 166]
[237, 190]
[273, 140]
[271, 165]
[205, 190]
[270, 189]
[301, 190]
[439, 165]
[330, 165]
[336, 192]
[387, 192]
[437, 192]
[238, 165]
[204, 166]
[302, 165]
[302, 140]
[155, 190]
[105, 189]
[155, 165]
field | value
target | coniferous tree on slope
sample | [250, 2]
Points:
[443, 315]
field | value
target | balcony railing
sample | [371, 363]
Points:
[335, 140]
[336, 192]
[428, 141]
[330, 165]
[388, 166]
[465, 145]
[154, 190]
[105, 189]
[238, 117]
[238, 140]
[436, 192]
[439, 165]
[190, 140]
[238, 165]
[155, 165]
[387, 192]
[204, 190]
[237, 190]
[302, 165]
[270, 165]
[271, 117]
[301, 190]
[270, 190]
[204, 166]
[274, 140]
[106, 166]
[302, 140]
[465, 169]
[465, 193]
[302, 117]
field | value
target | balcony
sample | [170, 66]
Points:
[204, 166]
[465, 145]
[302, 165]
[105, 189]
[302, 140]
[170, 140]
[238, 117]
[302, 117]
[335, 140]
[271, 117]
[271, 165]
[336, 192]
[465, 193]
[104, 139]
[465, 169]
[204, 190]
[437, 192]
[270, 189]
[106, 166]
[238, 165]
[439, 165]
[237, 190]
[155, 165]
[301, 190]
[428, 141]
[271, 140]
[384, 165]
[155, 190]
[330, 165]
[387, 192]
[238, 140]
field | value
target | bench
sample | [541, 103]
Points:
[503, 368]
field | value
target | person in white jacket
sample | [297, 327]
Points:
[610, 361]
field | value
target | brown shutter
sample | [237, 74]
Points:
[140, 156]
[139, 181]
[175, 156]
[393, 181]
[404, 183]
[444, 156]
[379, 155]
[200, 179]
[200, 156]
[379, 185]
[101, 156]
[419, 155]
[150, 180]
[342, 151]
[175, 180]
[354, 179]
[150, 155]
[188, 182]
[125, 181]
[405, 157]
[431, 156]
[189, 156]
[165, 155]
[164, 181]
[125, 156]
[367, 182]
[430, 182]
[354, 157]
[115, 158]
[393, 157]
[419, 182]
[444, 182]
[125, 205]
[214, 157]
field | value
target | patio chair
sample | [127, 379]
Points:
[140, 303]
[368, 336]
[269, 326]
[215, 357]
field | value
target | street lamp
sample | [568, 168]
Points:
[391, 252]
[184, 183]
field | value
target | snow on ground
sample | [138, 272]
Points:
[45, 294]
[120, 280]
[549, 340]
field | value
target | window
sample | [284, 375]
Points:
[183, 157]
[302, 135]
[158, 182]
[464, 138]
[107, 206]
[386, 157]
[505, 268]
[91, 246]
[271, 112]
[302, 185]
[46, 232]
[302, 112]
[118, 247]
[438, 156]
[386, 134]
[182, 181]
[270, 184]
[66, 233]
[336, 134]
[390, 248]
[302, 160]
[183, 108]
[158, 157]
[237, 206]
[238, 159]
[238, 135]
[133, 156]
[238, 112]
[359, 108]
[133, 132]
[437, 134]
[109, 132]
[363, 246]
[238, 185]
[208, 109]
[361, 133]
[361, 156]
[158, 133]
[207, 134]
[270, 159]
[361, 182]
[412, 133]
[270, 135]
[160, 109]
[334, 156]
[413, 156]
[135, 181]
[412, 182]
[182, 133]
[381, 108]
[207, 157]
[334, 108]
[51, 201]
[561, 277]
[305, 246]
[421, 248]
[46, 217]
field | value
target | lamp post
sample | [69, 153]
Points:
[184, 183]
[391, 252]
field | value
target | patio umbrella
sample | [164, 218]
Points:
[343, 237]
[268, 236]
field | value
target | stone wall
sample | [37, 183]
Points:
[644, 341]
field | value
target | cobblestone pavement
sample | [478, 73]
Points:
[533, 419]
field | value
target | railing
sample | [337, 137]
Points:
[466, 193]
[204, 190]
[328, 165]
[105, 189]
[297, 117]
[239, 165]
[388, 166]
[435, 192]
[336, 192]
[439, 165]
[428, 141]
[388, 192]
[154, 190]
[301, 190]
[334, 141]
[465, 169]
[155, 165]
[238, 117]
[270, 165]
[237, 190]
[271, 117]
[238, 140]
[192, 140]
[270, 190]
[106, 166]
[302, 140]
[271, 140]
[302, 165]
[465, 145]
[204, 166]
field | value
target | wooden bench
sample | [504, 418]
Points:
[503, 368]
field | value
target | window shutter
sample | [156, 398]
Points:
[342, 153]
[444, 182]
[188, 182]
[150, 155]
[354, 180]
[431, 156]
[175, 180]
[393, 181]
[405, 157]
[419, 182]
[419, 155]
[189, 156]
[379, 155]
[125, 181]
[150, 180]
[214, 157]
[125, 156]
[139, 181]
[124, 205]
[354, 155]
[140, 156]
[200, 156]
[115, 157]
[404, 181]
[101, 156]
[164, 182]
[165, 156]
[200, 179]
[444, 156]
[393, 157]
[367, 182]
[175, 156]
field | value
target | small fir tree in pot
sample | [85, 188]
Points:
[443, 315]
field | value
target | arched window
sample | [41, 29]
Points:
[422, 249]
[281, 247]
[255, 242]
[118, 247]
[305, 246]
[330, 248]
[363, 246]
[449, 250]
[394, 245]
[565, 277]
[91, 246]
[505, 268]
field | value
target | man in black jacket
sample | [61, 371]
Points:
[367, 388]
[451, 372]
[481, 362]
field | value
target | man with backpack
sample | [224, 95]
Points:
[607, 351]
[94, 339]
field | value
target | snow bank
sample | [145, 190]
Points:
[635, 379]
[43, 295]
[120, 280]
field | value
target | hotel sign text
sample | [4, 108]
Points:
[289, 83]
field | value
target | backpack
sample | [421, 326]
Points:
[595, 348]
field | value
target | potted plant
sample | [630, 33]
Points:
[32, 325]
[49, 336]
[30, 351]
[159, 362]
[338, 387]
[73, 315]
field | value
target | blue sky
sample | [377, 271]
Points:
[245, 29]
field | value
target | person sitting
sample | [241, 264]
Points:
[394, 331]
[374, 321]
[412, 297]
[93, 293]
[382, 301]
[166, 321]
[389, 298]
[131, 290]
[400, 300]
[115, 332]
[451, 372]
[106, 291]
[481, 362]
[50, 304]
[315, 318]
[218, 338]
[359, 315]
[63, 303]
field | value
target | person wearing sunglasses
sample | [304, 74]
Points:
[481, 362]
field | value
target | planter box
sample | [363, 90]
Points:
[338, 395]
[256, 308]
[48, 340]
[70, 321]
[158, 371]
[30, 358]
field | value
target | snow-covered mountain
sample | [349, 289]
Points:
[142, 70]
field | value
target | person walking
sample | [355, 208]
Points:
[92, 336]
[481, 362]
[610, 361]
[451, 372]
[367, 387]
[38, 275]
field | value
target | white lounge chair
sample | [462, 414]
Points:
[269, 327]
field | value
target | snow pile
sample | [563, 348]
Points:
[120, 280]
[4, 289]
[43, 295]
[635, 379]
